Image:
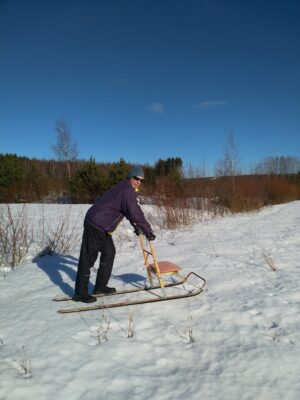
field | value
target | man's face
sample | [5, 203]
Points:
[136, 182]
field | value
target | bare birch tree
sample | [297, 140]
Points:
[228, 165]
[65, 148]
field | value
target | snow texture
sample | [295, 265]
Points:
[239, 339]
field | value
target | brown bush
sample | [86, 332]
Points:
[178, 202]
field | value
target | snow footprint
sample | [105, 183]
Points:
[269, 329]
[254, 312]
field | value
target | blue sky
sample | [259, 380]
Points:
[145, 80]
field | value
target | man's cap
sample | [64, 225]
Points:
[136, 170]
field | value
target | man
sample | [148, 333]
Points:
[100, 221]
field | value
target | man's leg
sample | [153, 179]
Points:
[108, 252]
[92, 242]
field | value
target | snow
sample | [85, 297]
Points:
[239, 339]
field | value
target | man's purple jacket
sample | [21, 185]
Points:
[116, 203]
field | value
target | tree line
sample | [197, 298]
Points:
[32, 180]
[24, 179]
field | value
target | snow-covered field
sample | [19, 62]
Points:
[238, 340]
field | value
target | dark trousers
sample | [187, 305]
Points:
[93, 242]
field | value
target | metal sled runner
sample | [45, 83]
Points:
[189, 285]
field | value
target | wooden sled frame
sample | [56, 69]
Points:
[159, 268]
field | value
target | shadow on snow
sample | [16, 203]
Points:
[56, 266]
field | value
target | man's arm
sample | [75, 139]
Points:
[135, 215]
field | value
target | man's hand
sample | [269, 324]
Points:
[137, 230]
[150, 236]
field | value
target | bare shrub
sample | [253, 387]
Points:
[61, 239]
[182, 201]
[16, 235]
[175, 216]
[185, 204]
[174, 207]
[279, 189]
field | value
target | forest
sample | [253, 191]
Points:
[272, 181]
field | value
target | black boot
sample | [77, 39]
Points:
[103, 289]
[84, 299]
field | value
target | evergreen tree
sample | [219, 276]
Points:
[88, 183]
[11, 174]
[10, 170]
[171, 168]
[118, 171]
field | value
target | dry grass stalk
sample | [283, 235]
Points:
[102, 331]
[23, 364]
[269, 261]
[189, 330]
[131, 325]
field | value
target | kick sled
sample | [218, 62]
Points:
[163, 278]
